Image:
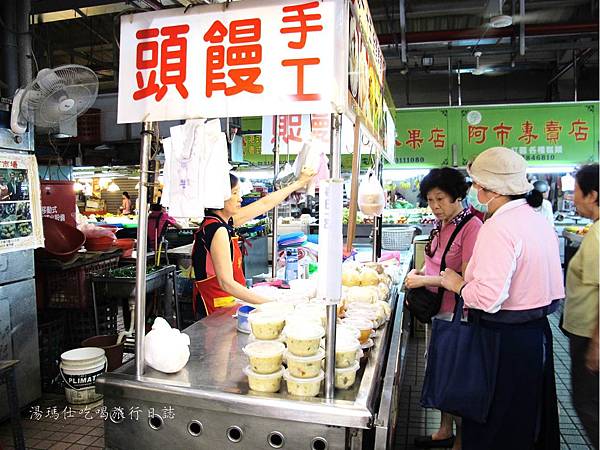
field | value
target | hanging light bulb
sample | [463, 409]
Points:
[113, 187]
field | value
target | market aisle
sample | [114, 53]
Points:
[415, 421]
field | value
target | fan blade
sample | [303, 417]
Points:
[537, 17]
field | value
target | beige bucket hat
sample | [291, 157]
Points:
[500, 170]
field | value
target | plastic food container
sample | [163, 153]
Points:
[265, 356]
[314, 310]
[303, 387]
[264, 383]
[266, 325]
[345, 378]
[368, 314]
[303, 339]
[304, 366]
[365, 327]
[252, 338]
[242, 318]
[346, 352]
[278, 308]
[347, 330]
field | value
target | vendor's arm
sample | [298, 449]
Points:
[221, 257]
[171, 221]
[496, 260]
[270, 201]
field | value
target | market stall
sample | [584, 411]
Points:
[213, 398]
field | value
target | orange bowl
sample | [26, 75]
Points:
[125, 244]
[98, 244]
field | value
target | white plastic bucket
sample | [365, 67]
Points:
[79, 369]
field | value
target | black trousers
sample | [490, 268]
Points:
[584, 387]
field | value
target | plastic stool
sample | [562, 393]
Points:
[7, 376]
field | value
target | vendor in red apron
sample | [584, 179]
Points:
[216, 255]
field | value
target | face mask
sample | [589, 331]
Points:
[474, 200]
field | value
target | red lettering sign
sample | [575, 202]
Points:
[319, 124]
[240, 53]
[414, 141]
[502, 132]
[437, 137]
[289, 128]
[477, 134]
[579, 130]
[298, 15]
[552, 131]
[172, 57]
[303, 28]
[527, 135]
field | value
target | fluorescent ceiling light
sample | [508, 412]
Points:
[550, 169]
[403, 174]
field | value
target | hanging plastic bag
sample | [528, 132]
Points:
[166, 349]
[371, 196]
[312, 156]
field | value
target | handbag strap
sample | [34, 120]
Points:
[451, 240]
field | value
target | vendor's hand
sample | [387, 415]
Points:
[451, 281]
[414, 280]
[306, 175]
[591, 356]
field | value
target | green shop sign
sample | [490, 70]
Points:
[543, 134]
[549, 134]
[422, 138]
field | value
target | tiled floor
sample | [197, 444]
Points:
[57, 432]
[79, 432]
[416, 421]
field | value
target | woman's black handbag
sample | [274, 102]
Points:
[421, 302]
[462, 365]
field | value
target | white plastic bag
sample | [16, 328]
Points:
[371, 196]
[166, 349]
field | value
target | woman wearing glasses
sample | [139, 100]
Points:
[444, 189]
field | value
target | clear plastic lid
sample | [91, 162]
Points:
[347, 344]
[251, 373]
[264, 349]
[306, 359]
[289, 377]
[353, 368]
[304, 331]
[367, 345]
[260, 317]
[278, 308]
[361, 324]
[252, 338]
[348, 330]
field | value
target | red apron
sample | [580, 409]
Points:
[209, 289]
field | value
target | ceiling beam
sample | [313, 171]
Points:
[47, 6]
[552, 29]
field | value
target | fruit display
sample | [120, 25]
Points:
[24, 229]
[8, 231]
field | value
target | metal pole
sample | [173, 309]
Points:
[330, 336]
[142, 245]
[449, 81]
[24, 42]
[574, 76]
[522, 28]
[459, 88]
[275, 210]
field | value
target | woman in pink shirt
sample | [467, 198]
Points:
[444, 189]
[515, 279]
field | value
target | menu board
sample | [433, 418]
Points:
[20, 207]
